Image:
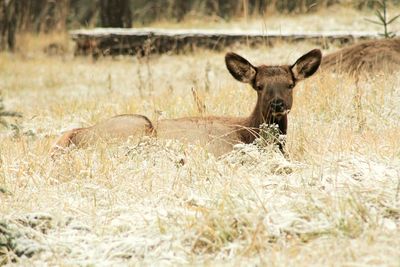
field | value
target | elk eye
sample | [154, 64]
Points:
[291, 86]
[260, 87]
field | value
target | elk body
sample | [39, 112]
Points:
[365, 57]
[274, 86]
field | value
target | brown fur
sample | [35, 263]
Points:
[118, 127]
[365, 57]
[274, 86]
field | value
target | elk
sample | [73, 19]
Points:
[365, 57]
[274, 86]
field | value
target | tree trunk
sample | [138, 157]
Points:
[9, 10]
[54, 16]
[115, 13]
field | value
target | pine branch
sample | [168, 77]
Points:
[383, 20]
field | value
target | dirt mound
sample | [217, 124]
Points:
[369, 56]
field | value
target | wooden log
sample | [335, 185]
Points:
[117, 41]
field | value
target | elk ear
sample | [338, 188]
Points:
[307, 65]
[240, 68]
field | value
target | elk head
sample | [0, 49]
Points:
[274, 84]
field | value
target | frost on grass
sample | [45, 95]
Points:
[21, 237]
[333, 201]
[160, 202]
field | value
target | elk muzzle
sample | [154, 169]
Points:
[278, 107]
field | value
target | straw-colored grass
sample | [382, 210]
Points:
[334, 202]
[335, 18]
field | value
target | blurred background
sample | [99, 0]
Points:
[47, 16]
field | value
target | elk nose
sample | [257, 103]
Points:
[277, 105]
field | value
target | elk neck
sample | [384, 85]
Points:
[250, 126]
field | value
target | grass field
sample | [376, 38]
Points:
[334, 202]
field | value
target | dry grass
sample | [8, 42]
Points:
[336, 18]
[336, 201]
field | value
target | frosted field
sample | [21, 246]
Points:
[334, 201]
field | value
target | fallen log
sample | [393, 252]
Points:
[118, 41]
